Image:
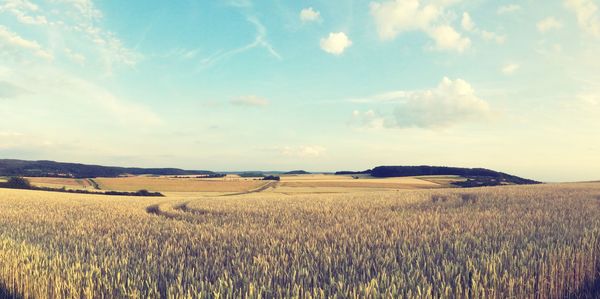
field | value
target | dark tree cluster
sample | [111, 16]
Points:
[271, 178]
[9, 167]
[16, 183]
[476, 177]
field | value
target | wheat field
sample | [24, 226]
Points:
[68, 183]
[169, 184]
[325, 183]
[509, 242]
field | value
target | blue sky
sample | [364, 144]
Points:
[316, 85]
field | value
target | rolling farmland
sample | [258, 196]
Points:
[404, 183]
[169, 184]
[61, 182]
[499, 242]
[413, 149]
[232, 184]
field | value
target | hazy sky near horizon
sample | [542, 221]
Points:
[316, 85]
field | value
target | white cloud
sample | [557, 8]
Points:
[446, 38]
[395, 17]
[586, 12]
[80, 18]
[508, 8]
[12, 43]
[335, 43]
[451, 102]
[21, 10]
[548, 24]
[468, 25]
[467, 22]
[76, 22]
[303, 151]
[250, 100]
[86, 9]
[510, 68]
[492, 36]
[309, 15]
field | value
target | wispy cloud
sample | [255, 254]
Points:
[260, 41]
[51, 86]
[584, 104]
[13, 44]
[510, 68]
[294, 151]
[469, 25]
[78, 22]
[308, 151]
[20, 141]
[510, 8]
[250, 100]
[586, 12]
[240, 3]
[182, 53]
[24, 11]
[548, 24]
[74, 56]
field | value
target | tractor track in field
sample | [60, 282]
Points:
[182, 212]
[94, 184]
[272, 184]
[178, 212]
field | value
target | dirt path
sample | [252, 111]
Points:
[271, 184]
[94, 184]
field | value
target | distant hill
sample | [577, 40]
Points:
[297, 172]
[475, 176]
[251, 174]
[10, 167]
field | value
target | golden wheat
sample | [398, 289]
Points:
[509, 242]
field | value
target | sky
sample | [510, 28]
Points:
[317, 85]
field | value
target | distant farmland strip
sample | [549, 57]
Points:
[165, 184]
[400, 184]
